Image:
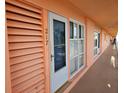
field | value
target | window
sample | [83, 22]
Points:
[96, 42]
[76, 46]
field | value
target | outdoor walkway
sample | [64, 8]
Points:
[102, 77]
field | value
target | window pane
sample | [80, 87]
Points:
[71, 49]
[98, 40]
[71, 30]
[75, 31]
[81, 46]
[74, 65]
[81, 31]
[95, 51]
[81, 60]
[95, 42]
[75, 47]
[59, 32]
[60, 57]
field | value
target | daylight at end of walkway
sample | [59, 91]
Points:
[102, 77]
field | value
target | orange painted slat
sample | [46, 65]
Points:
[25, 6]
[21, 52]
[22, 11]
[26, 71]
[26, 77]
[33, 87]
[22, 66]
[14, 46]
[39, 89]
[25, 58]
[25, 38]
[26, 32]
[17, 24]
[22, 18]
[28, 83]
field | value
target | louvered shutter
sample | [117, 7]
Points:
[26, 47]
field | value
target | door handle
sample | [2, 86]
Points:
[52, 56]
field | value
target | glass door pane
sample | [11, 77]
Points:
[59, 45]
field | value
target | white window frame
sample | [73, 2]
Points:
[97, 48]
[83, 53]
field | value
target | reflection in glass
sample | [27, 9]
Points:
[75, 47]
[59, 32]
[74, 65]
[95, 51]
[95, 43]
[71, 30]
[81, 60]
[99, 40]
[75, 31]
[81, 46]
[81, 31]
[71, 49]
[59, 45]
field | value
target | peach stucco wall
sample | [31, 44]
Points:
[105, 40]
[90, 41]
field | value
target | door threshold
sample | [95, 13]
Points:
[63, 87]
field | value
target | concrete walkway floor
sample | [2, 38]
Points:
[102, 77]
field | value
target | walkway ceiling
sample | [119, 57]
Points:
[103, 12]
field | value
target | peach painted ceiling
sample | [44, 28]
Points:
[103, 12]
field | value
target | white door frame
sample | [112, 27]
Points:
[60, 77]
